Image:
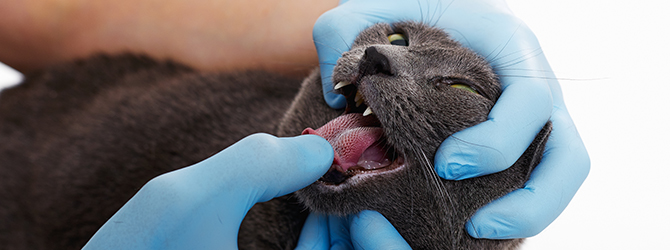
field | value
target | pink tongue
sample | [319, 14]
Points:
[353, 139]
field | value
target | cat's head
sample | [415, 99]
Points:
[408, 87]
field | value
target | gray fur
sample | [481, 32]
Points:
[80, 139]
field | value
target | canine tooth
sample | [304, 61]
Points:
[367, 112]
[341, 84]
[358, 97]
[359, 102]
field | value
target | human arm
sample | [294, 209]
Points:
[208, 35]
[531, 96]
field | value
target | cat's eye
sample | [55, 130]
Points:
[464, 87]
[456, 83]
[398, 39]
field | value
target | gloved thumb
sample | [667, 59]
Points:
[269, 166]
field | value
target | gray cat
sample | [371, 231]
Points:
[78, 140]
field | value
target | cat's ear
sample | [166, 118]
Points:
[533, 155]
[308, 102]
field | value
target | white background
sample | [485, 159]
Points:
[618, 52]
[614, 59]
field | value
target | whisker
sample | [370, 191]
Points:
[520, 59]
[505, 45]
[487, 57]
[331, 79]
[442, 14]
[557, 78]
[436, 178]
[439, 186]
[453, 31]
[479, 145]
[473, 225]
[437, 7]
[428, 11]
[420, 10]
[499, 58]
[527, 70]
[411, 181]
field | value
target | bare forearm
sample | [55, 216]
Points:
[209, 35]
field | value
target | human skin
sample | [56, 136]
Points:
[222, 35]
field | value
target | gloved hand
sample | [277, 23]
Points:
[366, 230]
[202, 206]
[531, 96]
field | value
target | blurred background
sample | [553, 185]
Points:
[613, 59]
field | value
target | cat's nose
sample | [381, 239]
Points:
[374, 62]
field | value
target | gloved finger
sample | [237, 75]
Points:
[340, 238]
[314, 234]
[495, 144]
[371, 230]
[553, 183]
[259, 168]
[518, 115]
[333, 34]
[279, 166]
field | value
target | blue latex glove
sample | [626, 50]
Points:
[365, 230]
[202, 206]
[531, 96]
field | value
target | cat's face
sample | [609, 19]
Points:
[420, 88]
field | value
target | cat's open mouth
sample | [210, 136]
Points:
[359, 143]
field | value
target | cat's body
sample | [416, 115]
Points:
[79, 140]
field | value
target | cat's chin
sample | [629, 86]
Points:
[362, 190]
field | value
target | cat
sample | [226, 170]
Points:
[79, 139]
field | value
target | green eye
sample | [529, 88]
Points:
[464, 87]
[457, 83]
[397, 39]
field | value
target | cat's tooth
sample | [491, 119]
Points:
[359, 102]
[367, 112]
[341, 84]
[358, 97]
